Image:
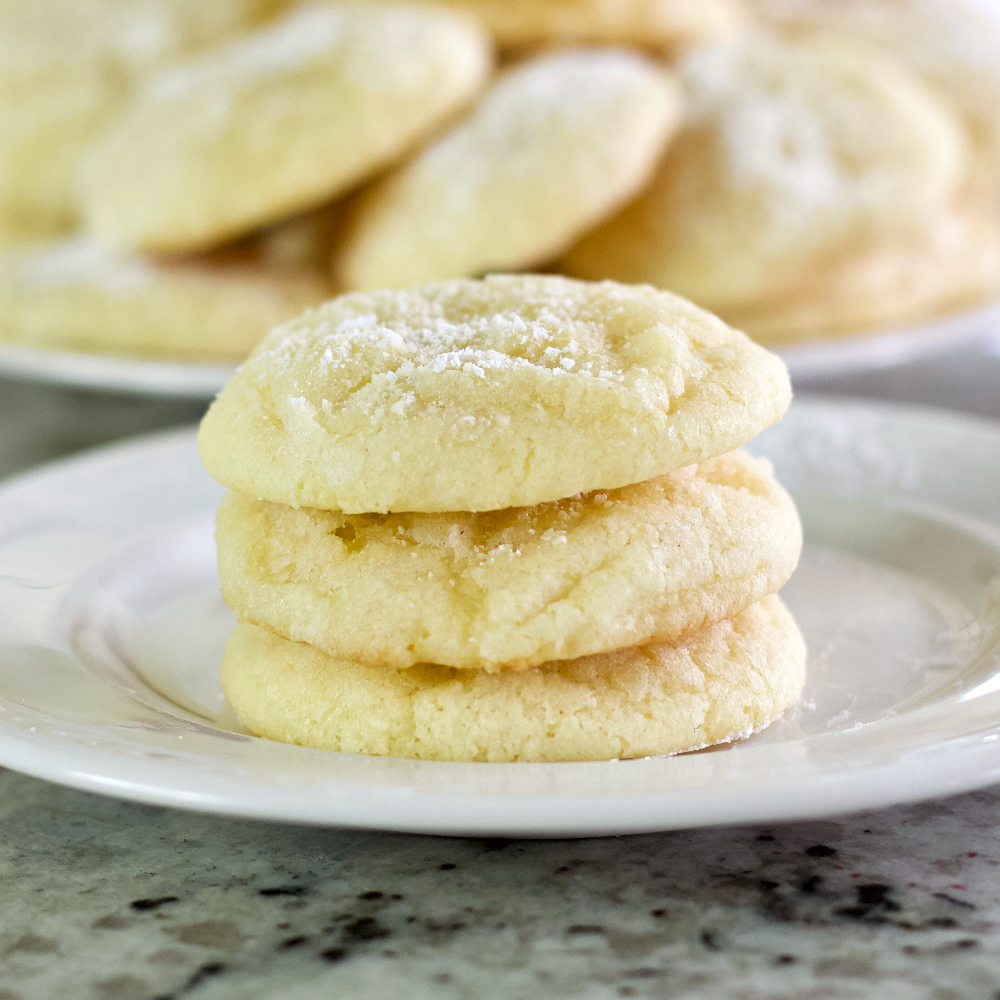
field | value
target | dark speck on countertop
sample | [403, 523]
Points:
[906, 898]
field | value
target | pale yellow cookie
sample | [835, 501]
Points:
[556, 146]
[719, 684]
[478, 395]
[301, 243]
[953, 261]
[80, 295]
[277, 121]
[66, 68]
[796, 157]
[652, 24]
[954, 265]
[955, 46]
[514, 588]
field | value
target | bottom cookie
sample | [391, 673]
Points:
[716, 685]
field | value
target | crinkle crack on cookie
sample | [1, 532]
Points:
[77, 294]
[277, 121]
[514, 588]
[797, 156]
[721, 683]
[652, 24]
[556, 146]
[479, 395]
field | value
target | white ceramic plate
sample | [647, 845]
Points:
[844, 355]
[111, 631]
[202, 380]
[184, 379]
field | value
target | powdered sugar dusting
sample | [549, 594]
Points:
[813, 127]
[768, 131]
[480, 346]
[83, 262]
[579, 95]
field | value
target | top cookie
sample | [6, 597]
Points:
[478, 395]
[277, 121]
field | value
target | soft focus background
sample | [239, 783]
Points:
[106, 900]
[178, 177]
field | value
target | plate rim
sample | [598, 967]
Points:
[889, 347]
[176, 378]
[873, 786]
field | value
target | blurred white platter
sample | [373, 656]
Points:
[202, 380]
[185, 379]
[111, 632]
[831, 357]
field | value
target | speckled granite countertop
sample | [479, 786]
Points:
[106, 900]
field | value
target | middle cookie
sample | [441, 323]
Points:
[518, 587]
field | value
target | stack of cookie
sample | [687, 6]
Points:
[502, 520]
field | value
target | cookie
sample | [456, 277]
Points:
[514, 588]
[797, 157]
[952, 262]
[953, 265]
[556, 146]
[953, 46]
[477, 395]
[79, 295]
[66, 69]
[301, 243]
[277, 121]
[652, 24]
[719, 684]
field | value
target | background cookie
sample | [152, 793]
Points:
[654, 24]
[556, 146]
[277, 121]
[954, 46]
[513, 588]
[478, 395]
[797, 156]
[66, 68]
[77, 294]
[954, 264]
[719, 684]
